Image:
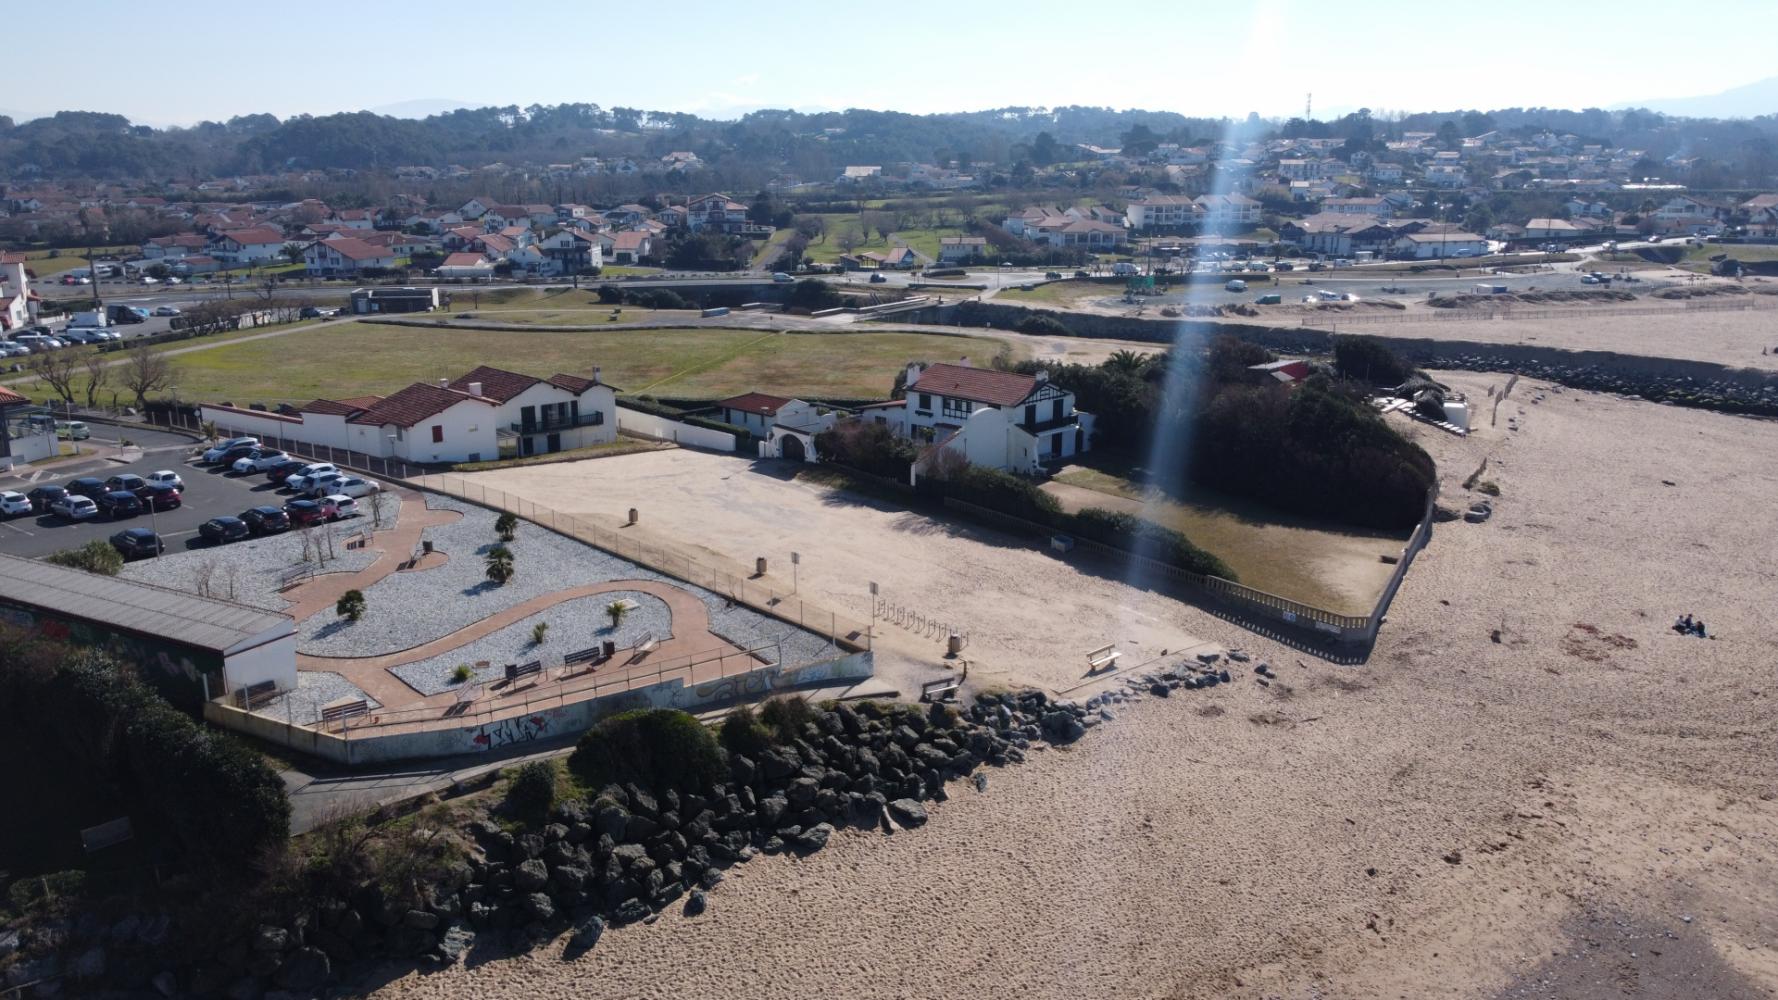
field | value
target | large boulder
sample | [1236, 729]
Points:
[530, 876]
[815, 837]
[306, 969]
[907, 812]
[611, 821]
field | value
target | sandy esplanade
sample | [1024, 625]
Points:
[1291, 841]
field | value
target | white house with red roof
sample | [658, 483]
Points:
[247, 246]
[479, 415]
[18, 304]
[995, 419]
[345, 255]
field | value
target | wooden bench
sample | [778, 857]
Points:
[1103, 658]
[645, 645]
[514, 671]
[943, 689]
[255, 695]
[344, 708]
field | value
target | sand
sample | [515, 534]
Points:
[1593, 779]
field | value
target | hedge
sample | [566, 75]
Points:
[654, 748]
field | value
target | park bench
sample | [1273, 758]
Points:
[344, 708]
[943, 689]
[591, 654]
[1103, 658]
[515, 671]
[645, 644]
[255, 695]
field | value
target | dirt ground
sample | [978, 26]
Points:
[1029, 617]
[1533, 789]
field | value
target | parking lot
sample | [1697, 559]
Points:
[208, 493]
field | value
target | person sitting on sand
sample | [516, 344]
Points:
[1683, 625]
[1698, 629]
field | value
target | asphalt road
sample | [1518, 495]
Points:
[208, 493]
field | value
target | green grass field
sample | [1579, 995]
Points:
[1698, 258]
[358, 358]
[45, 267]
[828, 249]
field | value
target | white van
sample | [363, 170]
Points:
[1236, 285]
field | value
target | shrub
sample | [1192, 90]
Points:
[1044, 325]
[533, 789]
[813, 294]
[1370, 361]
[655, 748]
[461, 672]
[786, 716]
[743, 733]
[47, 890]
[617, 611]
[507, 526]
[867, 447]
[1006, 493]
[538, 631]
[350, 606]
[500, 564]
[96, 556]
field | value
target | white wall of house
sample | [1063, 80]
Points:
[662, 429]
[599, 400]
[758, 423]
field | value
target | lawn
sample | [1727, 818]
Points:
[1698, 258]
[591, 315]
[44, 266]
[827, 250]
[1290, 556]
[708, 362]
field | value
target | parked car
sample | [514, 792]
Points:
[300, 479]
[305, 513]
[342, 506]
[239, 451]
[1587, 279]
[166, 310]
[125, 481]
[317, 312]
[42, 496]
[166, 477]
[355, 486]
[266, 520]
[781, 278]
[277, 474]
[159, 496]
[221, 448]
[134, 543]
[321, 483]
[119, 504]
[222, 530]
[879, 279]
[259, 460]
[1053, 275]
[74, 508]
[13, 503]
[91, 487]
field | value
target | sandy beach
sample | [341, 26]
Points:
[1586, 807]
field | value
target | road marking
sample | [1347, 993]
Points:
[18, 529]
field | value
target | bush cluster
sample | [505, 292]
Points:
[97, 556]
[533, 789]
[655, 748]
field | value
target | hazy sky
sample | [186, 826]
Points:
[725, 58]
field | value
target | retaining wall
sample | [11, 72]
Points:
[661, 428]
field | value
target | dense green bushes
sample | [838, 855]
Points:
[655, 748]
[778, 721]
[1044, 325]
[647, 298]
[867, 447]
[533, 789]
[1369, 361]
[103, 735]
[97, 556]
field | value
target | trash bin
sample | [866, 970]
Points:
[609, 648]
[426, 546]
[759, 566]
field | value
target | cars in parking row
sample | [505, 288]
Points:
[246, 456]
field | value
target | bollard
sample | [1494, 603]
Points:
[635, 515]
[759, 566]
[954, 645]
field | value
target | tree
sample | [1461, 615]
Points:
[350, 606]
[1139, 140]
[96, 556]
[500, 564]
[158, 271]
[58, 369]
[507, 526]
[1126, 362]
[146, 370]
[1045, 150]
[617, 611]
[98, 374]
[293, 252]
[848, 241]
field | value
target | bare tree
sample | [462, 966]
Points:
[203, 577]
[848, 241]
[98, 375]
[58, 369]
[146, 370]
[380, 504]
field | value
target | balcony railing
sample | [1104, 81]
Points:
[594, 419]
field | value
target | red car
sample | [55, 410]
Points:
[158, 496]
[306, 513]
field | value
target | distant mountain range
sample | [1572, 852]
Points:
[1750, 101]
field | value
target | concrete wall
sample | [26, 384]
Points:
[546, 723]
[663, 429]
[270, 661]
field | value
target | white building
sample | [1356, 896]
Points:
[247, 246]
[1433, 246]
[995, 419]
[345, 255]
[955, 249]
[784, 427]
[18, 304]
[469, 419]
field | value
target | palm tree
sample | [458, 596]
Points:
[617, 610]
[1126, 362]
[500, 564]
[507, 526]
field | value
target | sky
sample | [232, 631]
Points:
[722, 59]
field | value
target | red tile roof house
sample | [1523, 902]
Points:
[246, 246]
[477, 416]
[345, 255]
[999, 420]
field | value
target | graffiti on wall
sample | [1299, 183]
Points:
[514, 732]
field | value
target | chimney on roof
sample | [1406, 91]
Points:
[475, 388]
[1043, 375]
[444, 383]
[914, 370]
[963, 362]
[595, 374]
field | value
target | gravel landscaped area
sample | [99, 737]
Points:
[573, 625]
[314, 689]
[257, 565]
[408, 609]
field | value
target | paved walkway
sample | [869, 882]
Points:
[393, 546]
[691, 636]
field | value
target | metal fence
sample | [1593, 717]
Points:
[1508, 312]
[628, 542]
